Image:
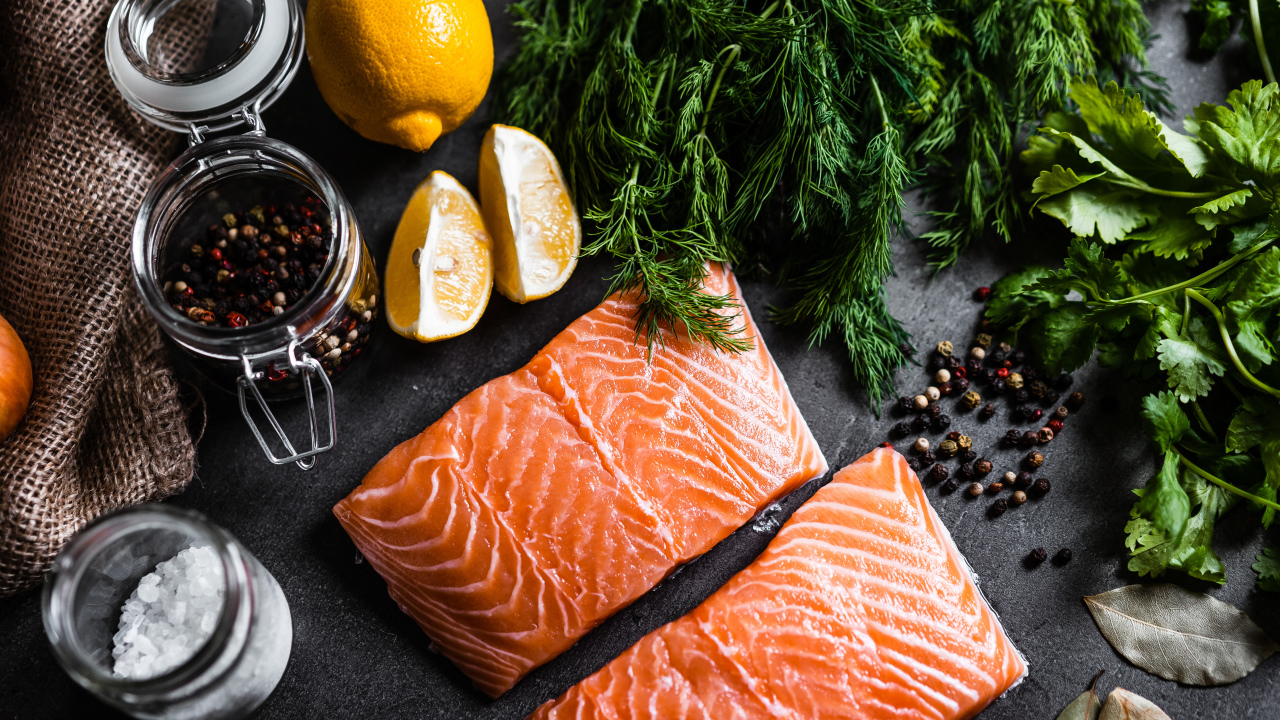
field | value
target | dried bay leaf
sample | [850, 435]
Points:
[1085, 707]
[1180, 635]
[1125, 705]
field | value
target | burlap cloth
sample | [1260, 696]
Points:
[106, 427]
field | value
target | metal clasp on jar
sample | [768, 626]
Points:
[303, 367]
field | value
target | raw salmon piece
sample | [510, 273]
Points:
[860, 608]
[548, 499]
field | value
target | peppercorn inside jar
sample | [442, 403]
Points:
[249, 257]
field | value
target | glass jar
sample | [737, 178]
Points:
[309, 339]
[228, 676]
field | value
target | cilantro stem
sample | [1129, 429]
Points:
[1204, 421]
[1139, 185]
[1203, 277]
[1223, 483]
[1256, 19]
[1231, 348]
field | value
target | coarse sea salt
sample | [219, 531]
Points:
[170, 615]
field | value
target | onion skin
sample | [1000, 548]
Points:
[15, 379]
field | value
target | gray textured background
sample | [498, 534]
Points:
[356, 655]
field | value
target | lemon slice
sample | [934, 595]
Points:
[440, 270]
[527, 209]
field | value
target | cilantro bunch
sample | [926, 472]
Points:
[1174, 274]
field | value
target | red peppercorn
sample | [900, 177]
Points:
[1036, 414]
[959, 372]
[216, 254]
[1056, 426]
[228, 265]
[235, 319]
[1002, 372]
[275, 375]
[1007, 364]
[982, 294]
[885, 444]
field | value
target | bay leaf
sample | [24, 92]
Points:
[1180, 635]
[1085, 707]
[1125, 705]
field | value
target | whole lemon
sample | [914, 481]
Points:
[402, 72]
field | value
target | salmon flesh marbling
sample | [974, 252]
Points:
[861, 608]
[550, 498]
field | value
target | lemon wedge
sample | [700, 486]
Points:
[527, 209]
[440, 270]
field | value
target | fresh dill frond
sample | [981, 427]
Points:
[696, 131]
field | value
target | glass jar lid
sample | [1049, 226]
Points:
[159, 61]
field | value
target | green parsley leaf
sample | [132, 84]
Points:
[1268, 569]
[1059, 179]
[1257, 424]
[1245, 133]
[1175, 235]
[1189, 366]
[1015, 300]
[1215, 17]
[1246, 235]
[1064, 338]
[1121, 119]
[1164, 419]
[1109, 214]
[1153, 552]
[1228, 209]
[1251, 306]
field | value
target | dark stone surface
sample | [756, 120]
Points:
[356, 655]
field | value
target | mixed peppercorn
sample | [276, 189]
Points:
[979, 377]
[252, 265]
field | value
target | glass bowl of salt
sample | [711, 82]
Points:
[164, 615]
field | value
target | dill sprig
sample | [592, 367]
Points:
[704, 130]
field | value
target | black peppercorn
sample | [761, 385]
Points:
[1029, 374]
[902, 429]
[1011, 437]
[988, 411]
[1034, 459]
[995, 359]
[1038, 556]
[965, 472]
[1021, 396]
[985, 376]
[952, 362]
[938, 473]
[1018, 357]
[928, 458]
[998, 386]
[1028, 439]
[921, 423]
[1023, 480]
[942, 422]
[1063, 382]
[1075, 401]
[1037, 389]
[905, 404]
[935, 410]
[1020, 412]
[1041, 486]
[936, 363]
[950, 485]
[998, 508]
[973, 366]
[982, 466]
[1062, 557]
[968, 456]
[960, 385]
[1050, 398]
[914, 464]
[953, 435]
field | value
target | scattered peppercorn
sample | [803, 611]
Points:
[1063, 382]
[947, 449]
[973, 366]
[974, 490]
[1050, 398]
[1038, 556]
[935, 410]
[1005, 347]
[988, 411]
[929, 458]
[1061, 413]
[902, 429]
[945, 389]
[1036, 414]
[1003, 373]
[906, 404]
[977, 353]
[1062, 557]
[1019, 497]
[986, 376]
[885, 444]
[982, 340]
[966, 471]
[1041, 486]
[938, 473]
[950, 485]
[1018, 357]
[1075, 401]
[968, 456]
[998, 507]
[982, 294]
[1045, 434]
[1011, 437]
[1021, 412]
[942, 376]
[1023, 480]
[936, 362]
[914, 464]
[945, 348]
[996, 487]
[1021, 396]
[1055, 426]
[982, 466]
[1014, 381]
[997, 386]
[931, 395]
[1028, 439]
[921, 445]
[960, 384]
[940, 423]
[995, 358]
[959, 373]
[920, 424]
[953, 435]
[1034, 459]
[951, 362]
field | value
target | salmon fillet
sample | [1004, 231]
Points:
[861, 607]
[550, 498]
